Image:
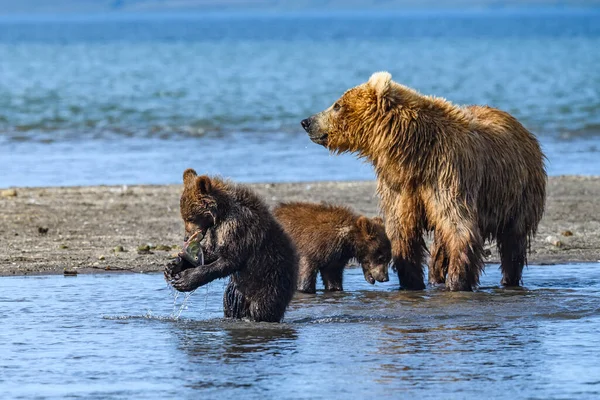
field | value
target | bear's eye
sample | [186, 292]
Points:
[336, 107]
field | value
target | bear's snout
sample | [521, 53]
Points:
[312, 126]
[306, 124]
[379, 273]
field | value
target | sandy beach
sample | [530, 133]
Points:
[138, 228]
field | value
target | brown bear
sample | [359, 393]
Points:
[467, 173]
[240, 238]
[327, 236]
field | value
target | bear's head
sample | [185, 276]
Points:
[199, 203]
[373, 249]
[359, 120]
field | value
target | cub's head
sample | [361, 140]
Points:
[198, 203]
[374, 251]
[359, 118]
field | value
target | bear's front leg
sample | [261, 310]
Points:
[403, 226]
[192, 278]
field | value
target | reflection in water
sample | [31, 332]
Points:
[234, 341]
[248, 347]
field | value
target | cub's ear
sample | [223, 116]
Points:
[188, 176]
[204, 184]
[381, 83]
[364, 226]
[377, 220]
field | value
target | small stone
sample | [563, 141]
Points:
[554, 241]
[487, 252]
[101, 258]
[8, 193]
[567, 233]
[42, 230]
[118, 249]
[69, 272]
[163, 247]
[63, 246]
[144, 249]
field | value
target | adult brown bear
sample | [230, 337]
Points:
[468, 174]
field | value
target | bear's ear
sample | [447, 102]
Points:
[203, 184]
[364, 226]
[381, 83]
[188, 176]
[377, 220]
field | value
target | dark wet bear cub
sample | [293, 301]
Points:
[327, 236]
[240, 238]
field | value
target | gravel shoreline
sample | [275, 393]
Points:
[137, 228]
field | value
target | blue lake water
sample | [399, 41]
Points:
[113, 336]
[136, 99]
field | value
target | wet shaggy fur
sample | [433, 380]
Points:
[242, 240]
[327, 236]
[467, 173]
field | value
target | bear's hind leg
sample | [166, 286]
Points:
[234, 302]
[438, 263]
[513, 256]
[333, 276]
[465, 258]
[307, 276]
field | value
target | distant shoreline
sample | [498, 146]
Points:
[198, 13]
[48, 230]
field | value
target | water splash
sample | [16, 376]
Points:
[178, 308]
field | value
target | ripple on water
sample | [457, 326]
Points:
[84, 337]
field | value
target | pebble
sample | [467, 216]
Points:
[8, 193]
[63, 246]
[554, 241]
[144, 249]
[118, 249]
[101, 258]
[42, 230]
[567, 233]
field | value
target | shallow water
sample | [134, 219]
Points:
[112, 336]
[138, 99]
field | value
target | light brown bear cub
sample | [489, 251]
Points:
[467, 173]
[239, 238]
[327, 237]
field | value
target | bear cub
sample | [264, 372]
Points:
[238, 237]
[327, 236]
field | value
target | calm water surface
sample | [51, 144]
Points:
[113, 336]
[137, 99]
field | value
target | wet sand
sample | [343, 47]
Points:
[48, 230]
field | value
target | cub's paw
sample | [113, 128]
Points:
[175, 267]
[188, 280]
